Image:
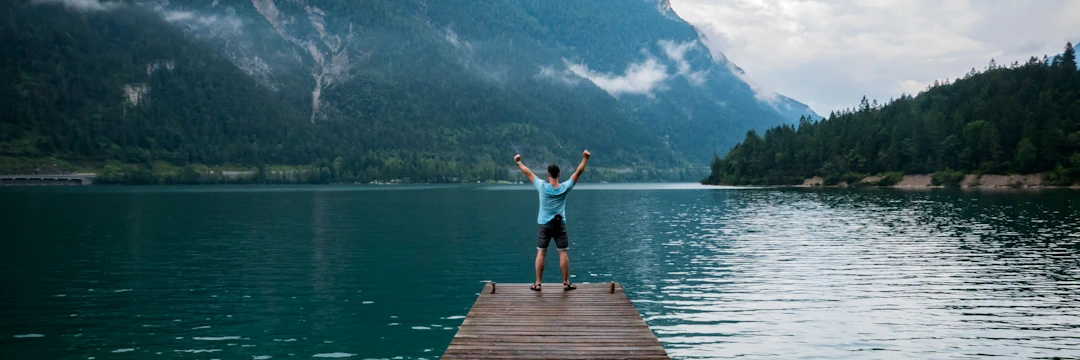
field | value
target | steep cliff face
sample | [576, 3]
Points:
[330, 60]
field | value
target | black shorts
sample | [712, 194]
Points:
[555, 228]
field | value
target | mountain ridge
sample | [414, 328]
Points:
[418, 81]
[560, 47]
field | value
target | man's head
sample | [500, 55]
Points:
[553, 171]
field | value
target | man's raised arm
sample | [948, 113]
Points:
[524, 169]
[581, 167]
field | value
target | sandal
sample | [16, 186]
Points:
[535, 287]
[568, 286]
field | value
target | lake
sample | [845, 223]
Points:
[259, 272]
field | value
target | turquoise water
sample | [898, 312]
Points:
[390, 271]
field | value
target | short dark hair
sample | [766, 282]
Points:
[553, 171]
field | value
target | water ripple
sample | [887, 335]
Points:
[389, 272]
[838, 274]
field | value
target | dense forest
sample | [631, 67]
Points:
[1014, 118]
[130, 97]
[343, 91]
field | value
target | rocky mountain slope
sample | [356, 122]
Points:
[414, 82]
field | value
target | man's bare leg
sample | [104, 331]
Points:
[564, 265]
[540, 253]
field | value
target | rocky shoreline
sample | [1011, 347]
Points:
[970, 181]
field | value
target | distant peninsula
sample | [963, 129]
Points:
[1015, 125]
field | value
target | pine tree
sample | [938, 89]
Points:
[1068, 58]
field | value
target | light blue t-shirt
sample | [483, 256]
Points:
[552, 199]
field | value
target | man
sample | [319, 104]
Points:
[552, 217]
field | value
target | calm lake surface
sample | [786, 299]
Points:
[390, 271]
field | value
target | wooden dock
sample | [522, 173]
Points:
[596, 321]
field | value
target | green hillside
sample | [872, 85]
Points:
[1015, 118]
[344, 91]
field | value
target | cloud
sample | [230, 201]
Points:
[229, 23]
[639, 78]
[1029, 47]
[831, 53]
[760, 92]
[677, 53]
[565, 76]
[910, 87]
[451, 36]
[81, 5]
[174, 16]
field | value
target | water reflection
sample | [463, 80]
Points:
[850, 274]
[385, 272]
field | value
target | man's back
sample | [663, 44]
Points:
[552, 199]
[551, 221]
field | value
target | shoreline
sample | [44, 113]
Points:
[926, 181]
[372, 183]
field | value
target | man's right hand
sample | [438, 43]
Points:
[581, 167]
[517, 158]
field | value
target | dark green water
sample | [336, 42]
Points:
[388, 272]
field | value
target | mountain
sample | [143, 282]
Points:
[390, 89]
[1017, 118]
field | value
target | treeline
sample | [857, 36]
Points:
[196, 174]
[1015, 118]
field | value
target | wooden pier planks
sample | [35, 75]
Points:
[588, 323]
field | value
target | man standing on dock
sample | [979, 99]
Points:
[552, 218]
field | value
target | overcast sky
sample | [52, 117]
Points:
[828, 54]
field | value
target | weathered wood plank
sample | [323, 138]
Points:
[552, 350]
[518, 323]
[568, 355]
[536, 355]
[575, 322]
[552, 339]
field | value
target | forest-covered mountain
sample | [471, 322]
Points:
[366, 90]
[1015, 118]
